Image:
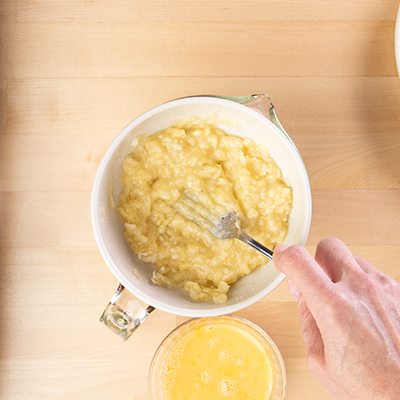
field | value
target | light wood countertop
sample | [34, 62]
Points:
[74, 73]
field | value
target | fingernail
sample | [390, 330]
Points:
[294, 290]
[280, 248]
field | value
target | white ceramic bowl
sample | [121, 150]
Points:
[135, 275]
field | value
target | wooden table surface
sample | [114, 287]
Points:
[73, 73]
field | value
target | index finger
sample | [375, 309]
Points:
[298, 264]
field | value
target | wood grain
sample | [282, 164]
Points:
[306, 106]
[203, 10]
[74, 73]
[3, 106]
[8, 11]
[189, 49]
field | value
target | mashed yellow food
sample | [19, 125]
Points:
[194, 159]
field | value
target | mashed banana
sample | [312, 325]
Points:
[220, 173]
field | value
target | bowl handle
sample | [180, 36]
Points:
[260, 103]
[125, 313]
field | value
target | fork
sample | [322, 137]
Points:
[226, 227]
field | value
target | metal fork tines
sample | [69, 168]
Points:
[222, 224]
[195, 211]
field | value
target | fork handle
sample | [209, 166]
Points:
[244, 237]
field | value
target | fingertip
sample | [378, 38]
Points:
[279, 251]
[335, 257]
[281, 247]
[300, 267]
[289, 256]
[287, 259]
[329, 243]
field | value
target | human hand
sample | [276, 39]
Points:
[350, 317]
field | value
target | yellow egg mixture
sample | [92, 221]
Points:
[194, 163]
[215, 362]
